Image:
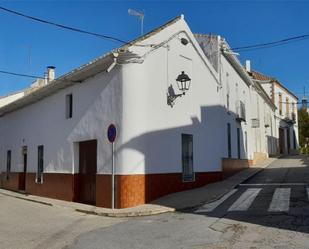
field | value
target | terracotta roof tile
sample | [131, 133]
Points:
[259, 76]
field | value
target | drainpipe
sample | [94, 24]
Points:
[114, 63]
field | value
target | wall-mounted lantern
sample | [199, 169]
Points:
[183, 82]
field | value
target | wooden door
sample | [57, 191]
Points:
[288, 139]
[22, 182]
[281, 141]
[87, 171]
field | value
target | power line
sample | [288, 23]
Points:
[64, 26]
[22, 75]
[271, 44]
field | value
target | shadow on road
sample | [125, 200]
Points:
[287, 209]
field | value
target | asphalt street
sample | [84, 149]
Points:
[270, 210]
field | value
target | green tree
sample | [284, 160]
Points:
[303, 127]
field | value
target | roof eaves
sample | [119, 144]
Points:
[72, 76]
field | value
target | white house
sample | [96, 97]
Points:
[182, 122]
[250, 113]
[286, 113]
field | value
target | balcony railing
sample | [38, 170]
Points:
[240, 111]
[290, 117]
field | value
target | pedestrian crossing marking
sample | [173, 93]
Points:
[281, 200]
[245, 200]
[273, 184]
[209, 207]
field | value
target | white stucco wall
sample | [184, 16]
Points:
[96, 103]
[237, 89]
[134, 97]
[285, 113]
[152, 130]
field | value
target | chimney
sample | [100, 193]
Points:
[248, 66]
[50, 73]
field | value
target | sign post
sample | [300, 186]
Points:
[111, 135]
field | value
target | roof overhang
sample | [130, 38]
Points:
[84, 72]
[76, 76]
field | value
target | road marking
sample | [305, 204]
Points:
[245, 200]
[274, 184]
[281, 200]
[209, 207]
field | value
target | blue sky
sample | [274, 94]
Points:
[28, 47]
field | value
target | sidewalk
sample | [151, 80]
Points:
[174, 202]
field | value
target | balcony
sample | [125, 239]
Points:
[240, 111]
[290, 118]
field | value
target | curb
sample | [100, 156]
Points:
[27, 199]
[142, 213]
[125, 215]
[187, 209]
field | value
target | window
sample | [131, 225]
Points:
[227, 93]
[8, 164]
[228, 102]
[246, 145]
[69, 106]
[39, 176]
[229, 144]
[280, 104]
[287, 106]
[187, 157]
[238, 143]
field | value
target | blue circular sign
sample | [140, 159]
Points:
[111, 133]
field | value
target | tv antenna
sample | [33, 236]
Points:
[140, 15]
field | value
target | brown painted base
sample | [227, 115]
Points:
[13, 182]
[55, 185]
[232, 166]
[131, 190]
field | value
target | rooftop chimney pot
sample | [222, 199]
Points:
[248, 65]
[50, 73]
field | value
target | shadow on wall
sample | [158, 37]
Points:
[162, 152]
[294, 178]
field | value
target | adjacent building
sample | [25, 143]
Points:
[187, 114]
[285, 114]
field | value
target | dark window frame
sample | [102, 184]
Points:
[188, 174]
[69, 106]
[40, 168]
[229, 141]
[238, 144]
[8, 163]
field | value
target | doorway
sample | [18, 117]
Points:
[288, 139]
[281, 140]
[87, 172]
[22, 181]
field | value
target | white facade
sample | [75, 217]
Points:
[133, 96]
[286, 116]
[130, 88]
